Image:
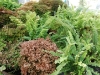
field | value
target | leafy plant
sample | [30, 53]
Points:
[2, 44]
[9, 4]
[37, 60]
[75, 31]
[1, 69]
[75, 60]
[42, 6]
[81, 43]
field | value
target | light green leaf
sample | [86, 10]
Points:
[57, 71]
[2, 68]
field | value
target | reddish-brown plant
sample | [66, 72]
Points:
[35, 60]
[4, 16]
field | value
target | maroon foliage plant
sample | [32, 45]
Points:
[35, 60]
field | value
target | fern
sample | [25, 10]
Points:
[75, 32]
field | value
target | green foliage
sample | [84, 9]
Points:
[52, 4]
[10, 37]
[4, 19]
[42, 6]
[9, 52]
[81, 43]
[1, 69]
[76, 33]
[12, 32]
[9, 4]
[2, 44]
[75, 59]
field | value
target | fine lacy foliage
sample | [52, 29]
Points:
[42, 6]
[10, 36]
[4, 16]
[34, 60]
